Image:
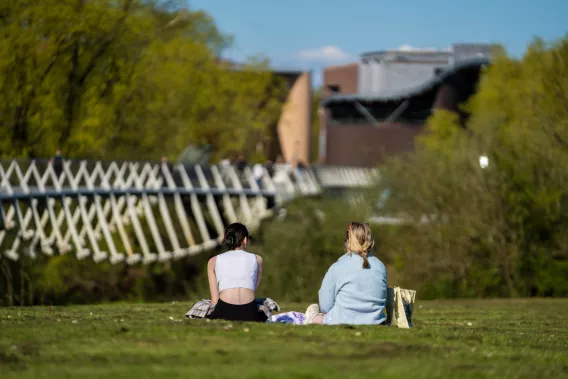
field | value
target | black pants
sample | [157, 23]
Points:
[244, 312]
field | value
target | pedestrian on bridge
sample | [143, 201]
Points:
[57, 162]
[241, 163]
[258, 173]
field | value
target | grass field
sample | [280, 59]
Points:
[451, 339]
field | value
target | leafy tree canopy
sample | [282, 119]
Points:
[124, 79]
[503, 229]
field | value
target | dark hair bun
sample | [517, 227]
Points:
[229, 240]
[234, 236]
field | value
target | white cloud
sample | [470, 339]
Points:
[325, 54]
[412, 48]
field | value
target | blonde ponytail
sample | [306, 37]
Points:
[365, 260]
[360, 241]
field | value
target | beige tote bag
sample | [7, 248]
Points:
[400, 305]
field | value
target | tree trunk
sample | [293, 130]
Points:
[72, 95]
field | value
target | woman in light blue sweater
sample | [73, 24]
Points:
[354, 290]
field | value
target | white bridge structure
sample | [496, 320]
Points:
[143, 211]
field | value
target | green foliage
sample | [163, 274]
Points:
[498, 231]
[127, 79]
[66, 280]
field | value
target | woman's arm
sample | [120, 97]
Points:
[259, 274]
[213, 285]
[327, 292]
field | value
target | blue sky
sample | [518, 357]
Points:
[311, 34]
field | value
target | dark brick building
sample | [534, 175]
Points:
[375, 108]
[341, 79]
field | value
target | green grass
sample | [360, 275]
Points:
[451, 339]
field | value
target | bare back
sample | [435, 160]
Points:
[234, 277]
[237, 296]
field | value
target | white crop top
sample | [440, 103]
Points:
[236, 269]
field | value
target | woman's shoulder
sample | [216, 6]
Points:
[236, 252]
[341, 262]
[246, 252]
[373, 260]
[212, 262]
[249, 254]
[220, 256]
[225, 255]
[257, 257]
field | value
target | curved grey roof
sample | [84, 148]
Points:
[412, 91]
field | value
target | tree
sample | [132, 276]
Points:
[127, 79]
[499, 230]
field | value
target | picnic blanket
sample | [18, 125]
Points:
[294, 318]
[203, 308]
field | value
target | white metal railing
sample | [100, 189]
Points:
[335, 176]
[141, 211]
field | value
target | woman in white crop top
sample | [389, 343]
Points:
[234, 277]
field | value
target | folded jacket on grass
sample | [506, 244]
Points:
[203, 308]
